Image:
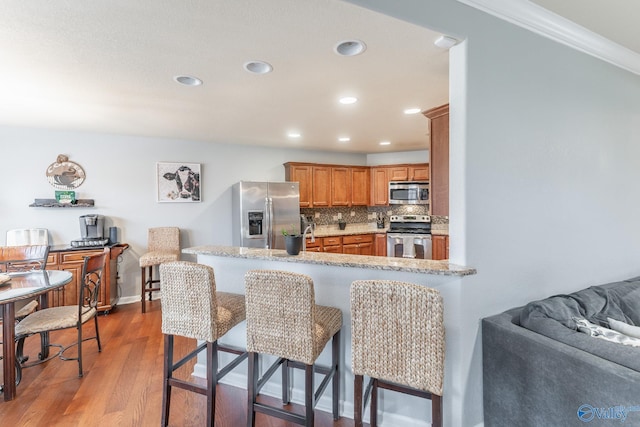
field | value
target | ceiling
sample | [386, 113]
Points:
[110, 67]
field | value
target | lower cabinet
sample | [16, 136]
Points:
[358, 244]
[380, 245]
[440, 247]
[72, 261]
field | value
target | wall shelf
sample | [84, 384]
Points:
[53, 203]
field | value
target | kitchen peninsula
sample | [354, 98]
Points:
[332, 275]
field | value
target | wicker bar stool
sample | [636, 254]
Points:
[283, 320]
[192, 308]
[163, 245]
[397, 339]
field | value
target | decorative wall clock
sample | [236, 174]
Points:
[65, 174]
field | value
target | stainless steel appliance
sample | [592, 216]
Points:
[261, 210]
[91, 232]
[408, 193]
[409, 236]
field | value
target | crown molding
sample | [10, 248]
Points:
[537, 19]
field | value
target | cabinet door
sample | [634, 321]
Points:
[379, 187]
[360, 183]
[419, 172]
[321, 193]
[366, 248]
[340, 186]
[400, 173]
[439, 159]
[302, 175]
[380, 244]
[351, 249]
[439, 247]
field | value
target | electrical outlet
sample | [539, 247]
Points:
[353, 213]
[317, 214]
[389, 213]
[339, 215]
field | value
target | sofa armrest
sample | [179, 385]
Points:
[530, 379]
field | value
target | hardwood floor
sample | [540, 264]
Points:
[122, 386]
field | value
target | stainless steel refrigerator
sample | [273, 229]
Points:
[261, 210]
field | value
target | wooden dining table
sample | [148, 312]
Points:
[22, 286]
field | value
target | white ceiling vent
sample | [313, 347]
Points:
[350, 48]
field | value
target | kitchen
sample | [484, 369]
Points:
[509, 171]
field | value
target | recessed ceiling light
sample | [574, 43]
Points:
[188, 80]
[412, 110]
[344, 139]
[294, 134]
[385, 143]
[350, 48]
[258, 67]
[348, 100]
[445, 42]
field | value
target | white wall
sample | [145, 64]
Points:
[543, 169]
[120, 176]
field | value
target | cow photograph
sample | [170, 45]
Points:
[178, 182]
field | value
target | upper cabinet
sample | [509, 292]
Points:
[439, 155]
[329, 185]
[343, 185]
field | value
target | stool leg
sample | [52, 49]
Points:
[144, 287]
[150, 281]
[286, 398]
[212, 369]
[436, 410]
[357, 400]
[335, 361]
[309, 395]
[373, 417]
[252, 386]
[168, 369]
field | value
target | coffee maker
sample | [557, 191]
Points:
[91, 232]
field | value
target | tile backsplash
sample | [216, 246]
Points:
[360, 214]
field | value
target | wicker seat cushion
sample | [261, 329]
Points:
[231, 311]
[52, 318]
[328, 322]
[157, 257]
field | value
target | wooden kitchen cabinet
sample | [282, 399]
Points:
[321, 186]
[332, 244]
[358, 244]
[340, 186]
[379, 186]
[72, 261]
[440, 247]
[313, 246]
[439, 154]
[380, 244]
[301, 173]
[419, 172]
[360, 183]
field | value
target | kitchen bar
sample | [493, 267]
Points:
[332, 275]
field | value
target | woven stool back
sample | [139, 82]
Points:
[398, 333]
[280, 314]
[189, 305]
[164, 239]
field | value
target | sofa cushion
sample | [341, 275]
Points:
[554, 317]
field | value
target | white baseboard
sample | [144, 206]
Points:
[386, 419]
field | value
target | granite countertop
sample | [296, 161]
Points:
[368, 228]
[443, 268]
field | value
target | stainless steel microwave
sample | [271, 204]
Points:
[408, 193]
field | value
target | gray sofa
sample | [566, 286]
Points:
[539, 370]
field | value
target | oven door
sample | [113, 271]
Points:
[403, 245]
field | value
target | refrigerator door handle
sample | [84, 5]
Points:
[269, 209]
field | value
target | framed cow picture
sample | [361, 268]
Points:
[178, 182]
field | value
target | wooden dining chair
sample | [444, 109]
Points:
[15, 259]
[71, 316]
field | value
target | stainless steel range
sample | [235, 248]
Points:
[409, 236]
